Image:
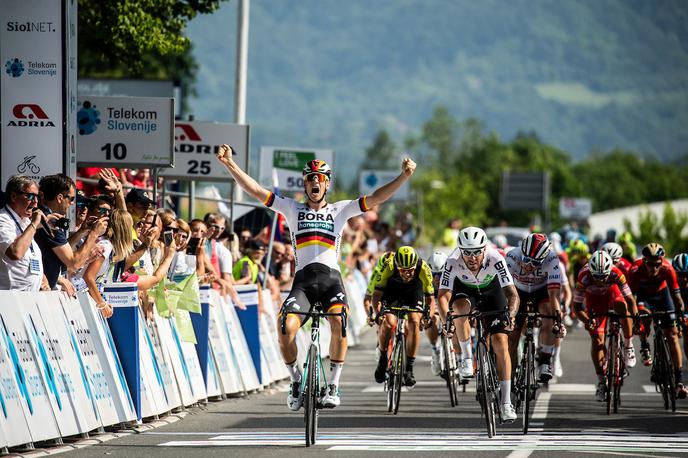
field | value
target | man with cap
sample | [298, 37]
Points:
[138, 203]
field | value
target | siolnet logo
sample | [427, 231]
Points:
[14, 67]
[29, 115]
[87, 118]
[184, 134]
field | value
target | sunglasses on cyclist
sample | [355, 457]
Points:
[408, 271]
[653, 264]
[321, 177]
[472, 253]
[30, 195]
[531, 261]
[599, 277]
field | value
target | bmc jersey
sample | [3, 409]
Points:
[316, 235]
[644, 285]
[548, 273]
[587, 285]
[494, 266]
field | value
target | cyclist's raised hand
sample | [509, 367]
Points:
[408, 166]
[224, 154]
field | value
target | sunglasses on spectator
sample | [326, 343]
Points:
[217, 227]
[71, 198]
[472, 253]
[30, 195]
[104, 210]
[531, 261]
[321, 177]
[174, 230]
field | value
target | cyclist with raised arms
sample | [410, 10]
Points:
[616, 252]
[604, 288]
[535, 269]
[653, 280]
[316, 230]
[406, 281]
[476, 276]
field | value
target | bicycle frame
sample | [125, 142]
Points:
[663, 372]
[616, 367]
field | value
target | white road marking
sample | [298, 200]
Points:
[571, 388]
[520, 454]
[650, 389]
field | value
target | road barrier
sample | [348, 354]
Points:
[67, 371]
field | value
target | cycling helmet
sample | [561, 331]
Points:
[579, 246]
[436, 261]
[471, 238]
[500, 240]
[317, 166]
[406, 257]
[680, 263]
[536, 246]
[614, 250]
[653, 250]
[600, 263]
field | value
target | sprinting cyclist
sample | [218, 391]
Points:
[407, 282]
[616, 252]
[436, 262]
[680, 265]
[604, 288]
[565, 301]
[316, 229]
[653, 280]
[476, 276]
[537, 276]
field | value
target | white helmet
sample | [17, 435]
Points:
[436, 261]
[600, 263]
[471, 238]
[614, 250]
[500, 240]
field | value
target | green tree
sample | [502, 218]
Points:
[382, 154]
[668, 231]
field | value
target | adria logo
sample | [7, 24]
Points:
[29, 115]
[186, 133]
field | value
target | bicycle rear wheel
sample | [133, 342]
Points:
[311, 396]
[398, 368]
[612, 348]
[529, 393]
[485, 390]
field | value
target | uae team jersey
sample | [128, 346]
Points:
[316, 235]
[548, 273]
[494, 267]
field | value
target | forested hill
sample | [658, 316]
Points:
[584, 75]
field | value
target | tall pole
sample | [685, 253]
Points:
[240, 83]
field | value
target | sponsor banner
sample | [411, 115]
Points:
[107, 355]
[213, 384]
[269, 339]
[162, 358]
[239, 344]
[575, 208]
[196, 144]
[225, 356]
[125, 131]
[153, 396]
[32, 99]
[249, 319]
[370, 180]
[287, 164]
[171, 345]
[187, 350]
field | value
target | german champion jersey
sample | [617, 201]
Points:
[316, 235]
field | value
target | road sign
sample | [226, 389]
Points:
[196, 144]
[130, 132]
[288, 165]
[525, 191]
[574, 208]
[370, 180]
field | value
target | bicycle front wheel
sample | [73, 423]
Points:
[398, 368]
[450, 370]
[612, 346]
[486, 389]
[311, 396]
[619, 369]
[668, 379]
[529, 394]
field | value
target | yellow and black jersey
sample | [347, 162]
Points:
[389, 275]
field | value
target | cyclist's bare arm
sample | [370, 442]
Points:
[386, 191]
[444, 296]
[555, 308]
[581, 313]
[512, 300]
[568, 295]
[242, 178]
[678, 300]
[632, 306]
[377, 297]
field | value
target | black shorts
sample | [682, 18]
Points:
[536, 297]
[489, 298]
[660, 302]
[402, 294]
[315, 283]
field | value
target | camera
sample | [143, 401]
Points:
[167, 237]
[62, 223]
[192, 245]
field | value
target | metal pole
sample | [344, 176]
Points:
[192, 199]
[241, 62]
[155, 186]
[231, 206]
[272, 240]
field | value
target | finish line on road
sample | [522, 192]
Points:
[571, 440]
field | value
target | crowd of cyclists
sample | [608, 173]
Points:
[480, 278]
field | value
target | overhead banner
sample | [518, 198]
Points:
[575, 208]
[370, 180]
[33, 95]
[196, 144]
[130, 132]
[287, 164]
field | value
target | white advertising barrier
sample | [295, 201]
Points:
[67, 360]
[83, 338]
[196, 144]
[161, 364]
[181, 373]
[213, 384]
[235, 335]
[268, 340]
[131, 132]
[47, 354]
[189, 363]
[286, 165]
[14, 389]
[108, 358]
[223, 353]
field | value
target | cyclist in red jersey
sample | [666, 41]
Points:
[680, 265]
[653, 280]
[616, 252]
[603, 287]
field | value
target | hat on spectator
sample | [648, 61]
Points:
[139, 196]
[254, 245]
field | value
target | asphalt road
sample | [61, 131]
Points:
[567, 420]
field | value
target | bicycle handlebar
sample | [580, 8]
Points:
[316, 314]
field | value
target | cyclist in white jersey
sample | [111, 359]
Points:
[475, 275]
[537, 277]
[316, 230]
